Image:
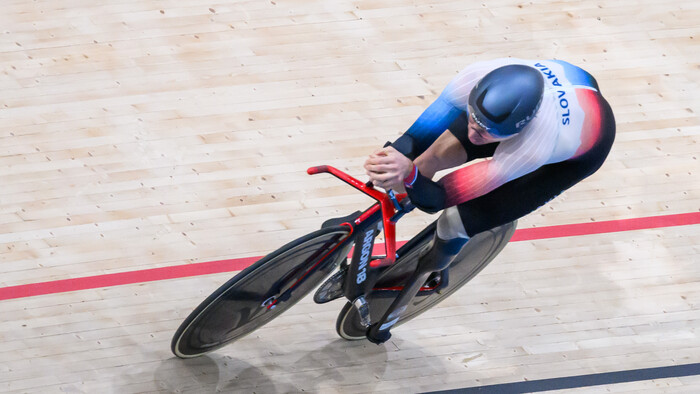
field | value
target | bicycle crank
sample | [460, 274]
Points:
[332, 288]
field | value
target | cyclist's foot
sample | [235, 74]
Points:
[332, 288]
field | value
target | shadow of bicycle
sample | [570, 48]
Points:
[336, 364]
[211, 373]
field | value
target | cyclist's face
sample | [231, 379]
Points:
[479, 136]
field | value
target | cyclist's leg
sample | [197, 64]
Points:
[506, 204]
[449, 239]
[523, 195]
[519, 197]
[450, 225]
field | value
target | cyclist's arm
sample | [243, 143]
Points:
[442, 112]
[428, 127]
[513, 158]
[446, 152]
[388, 168]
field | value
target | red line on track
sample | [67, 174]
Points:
[215, 267]
[612, 226]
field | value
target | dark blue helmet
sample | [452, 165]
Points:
[506, 99]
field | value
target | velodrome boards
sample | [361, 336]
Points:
[151, 149]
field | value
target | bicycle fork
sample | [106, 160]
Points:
[360, 276]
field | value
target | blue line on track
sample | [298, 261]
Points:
[570, 382]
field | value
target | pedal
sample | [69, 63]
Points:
[438, 281]
[332, 288]
[363, 309]
[433, 280]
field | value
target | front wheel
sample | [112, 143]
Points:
[261, 292]
[476, 254]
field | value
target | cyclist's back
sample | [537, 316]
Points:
[573, 126]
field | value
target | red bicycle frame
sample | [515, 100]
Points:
[385, 204]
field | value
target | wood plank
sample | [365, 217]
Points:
[142, 134]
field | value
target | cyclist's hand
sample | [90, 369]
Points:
[387, 168]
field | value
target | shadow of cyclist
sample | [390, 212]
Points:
[213, 373]
[334, 365]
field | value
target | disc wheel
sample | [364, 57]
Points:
[259, 293]
[478, 252]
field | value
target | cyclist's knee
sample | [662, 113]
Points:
[450, 225]
[440, 254]
[450, 238]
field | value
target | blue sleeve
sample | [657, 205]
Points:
[427, 128]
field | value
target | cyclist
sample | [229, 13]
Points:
[541, 126]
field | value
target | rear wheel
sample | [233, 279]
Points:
[477, 253]
[261, 292]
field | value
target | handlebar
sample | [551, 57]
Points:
[389, 203]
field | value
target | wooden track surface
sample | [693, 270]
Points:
[145, 134]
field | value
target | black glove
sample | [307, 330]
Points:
[427, 195]
[406, 145]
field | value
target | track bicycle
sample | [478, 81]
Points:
[381, 291]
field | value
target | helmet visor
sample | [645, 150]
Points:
[485, 124]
